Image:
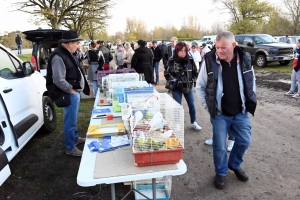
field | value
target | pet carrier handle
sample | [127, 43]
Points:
[151, 96]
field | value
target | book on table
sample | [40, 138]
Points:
[101, 130]
[109, 143]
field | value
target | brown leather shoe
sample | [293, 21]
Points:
[240, 174]
[219, 181]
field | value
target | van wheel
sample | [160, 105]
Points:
[261, 60]
[49, 115]
[284, 62]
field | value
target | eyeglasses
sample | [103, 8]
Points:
[182, 51]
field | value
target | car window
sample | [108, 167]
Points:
[8, 66]
[282, 39]
[247, 40]
[239, 39]
[293, 40]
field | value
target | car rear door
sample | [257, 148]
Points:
[20, 98]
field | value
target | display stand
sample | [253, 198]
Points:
[86, 178]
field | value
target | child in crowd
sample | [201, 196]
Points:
[295, 74]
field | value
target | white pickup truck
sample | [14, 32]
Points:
[25, 107]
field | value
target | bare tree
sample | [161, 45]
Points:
[217, 27]
[293, 7]
[61, 12]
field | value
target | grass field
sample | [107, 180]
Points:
[25, 57]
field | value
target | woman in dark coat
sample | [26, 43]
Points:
[142, 61]
[181, 76]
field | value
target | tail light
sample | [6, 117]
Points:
[33, 61]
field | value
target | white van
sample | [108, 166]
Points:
[207, 38]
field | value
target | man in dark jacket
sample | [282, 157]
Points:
[170, 50]
[163, 48]
[156, 59]
[142, 61]
[65, 80]
[106, 53]
[226, 88]
[18, 41]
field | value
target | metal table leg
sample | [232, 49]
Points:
[113, 193]
[154, 188]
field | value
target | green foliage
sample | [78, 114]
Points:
[25, 57]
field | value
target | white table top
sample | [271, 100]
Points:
[85, 176]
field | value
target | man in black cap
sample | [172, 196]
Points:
[65, 80]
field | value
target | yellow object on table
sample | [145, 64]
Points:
[102, 130]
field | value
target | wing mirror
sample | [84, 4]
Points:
[27, 68]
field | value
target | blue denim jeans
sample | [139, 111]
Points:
[189, 97]
[95, 86]
[120, 66]
[155, 68]
[70, 121]
[294, 77]
[19, 48]
[240, 128]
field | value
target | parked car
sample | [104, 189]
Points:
[44, 42]
[264, 48]
[25, 107]
[294, 40]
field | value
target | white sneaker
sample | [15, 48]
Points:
[209, 141]
[196, 126]
[230, 145]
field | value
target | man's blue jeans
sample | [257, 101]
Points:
[70, 121]
[155, 68]
[240, 128]
[189, 97]
[19, 48]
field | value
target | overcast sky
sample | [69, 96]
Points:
[152, 12]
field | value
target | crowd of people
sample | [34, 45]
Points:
[222, 77]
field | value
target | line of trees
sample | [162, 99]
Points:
[89, 17]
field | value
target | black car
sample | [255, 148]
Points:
[44, 42]
[264, 48]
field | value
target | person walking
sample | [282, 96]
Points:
[170, 50]
[142, 61]
[64, 81]
[96, 61]
[106, 53]
[156, 59]
[288, 39]
[163, 48]
[196, 56]
[226, 88]
[18, 41]
[127, 56]
[181, 75]
[119, 57]
[295, 74]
